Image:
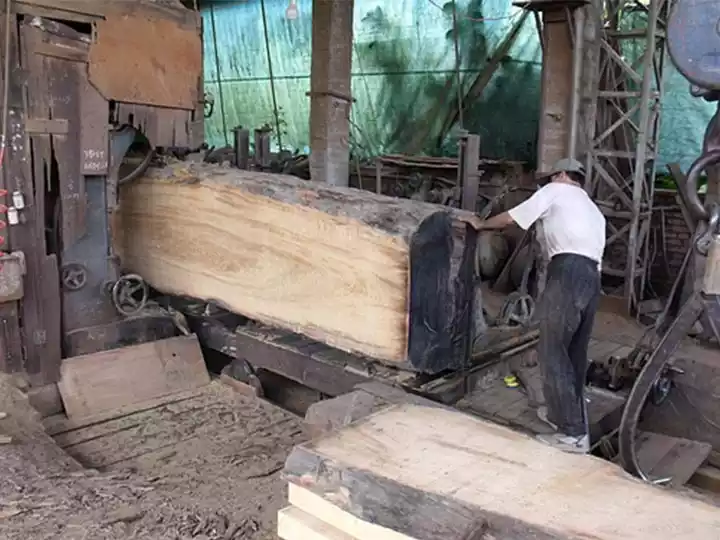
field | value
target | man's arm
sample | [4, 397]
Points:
[496, 222]
[524, 214]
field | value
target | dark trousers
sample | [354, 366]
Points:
[566, 312]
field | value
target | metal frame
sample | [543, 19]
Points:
[621, 156]
[333, 372]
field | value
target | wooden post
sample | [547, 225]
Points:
[330, 91]
[241, 142]
[468, 176]
[556, 89]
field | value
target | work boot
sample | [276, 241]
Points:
[567, 443]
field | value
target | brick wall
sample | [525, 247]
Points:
[669, 227]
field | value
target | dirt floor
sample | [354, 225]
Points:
[204, 467]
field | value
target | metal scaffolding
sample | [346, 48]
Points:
[621, 156]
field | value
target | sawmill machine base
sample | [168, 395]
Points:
[83, 120]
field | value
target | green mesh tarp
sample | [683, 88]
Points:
[404, 78]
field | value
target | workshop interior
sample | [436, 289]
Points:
[130, 241]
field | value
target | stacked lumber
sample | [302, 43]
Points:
[388, 278]
[413, 472]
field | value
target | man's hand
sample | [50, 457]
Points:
[474, 221]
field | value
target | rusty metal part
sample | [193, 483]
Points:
[702, 244]
[73, 276]
[648, 379]
[161, 58]
[693, 41]
[518, 309]
[710, 156]
[130, 294]
[690, 193]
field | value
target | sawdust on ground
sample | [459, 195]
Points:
[217, 481]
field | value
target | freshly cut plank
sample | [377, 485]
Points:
[432, 473]
[383, 277]
[130, 376]
[294, 524]
[325, 512]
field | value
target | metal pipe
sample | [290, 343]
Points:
[575, 96]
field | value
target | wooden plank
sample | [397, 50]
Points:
[661, 456]
[177, 404]
[23, 237]
[46, 126]
[65, 83]
[310, 258]
[331, 414]
[148, 72]
[218, 412]
[41, 305]
[465, 475]
[111, 379]
[294, 524]
[63, 51]
[59, 424]
[333, 516]
[156, 428]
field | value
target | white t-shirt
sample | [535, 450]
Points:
[571, 221]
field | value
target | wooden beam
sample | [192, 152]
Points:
[378, 276]
[107, 380]
[432, 473]
[556, 89]
[330, 91]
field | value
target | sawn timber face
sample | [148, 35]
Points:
[435, 473]
[387, 278]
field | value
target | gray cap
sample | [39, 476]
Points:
[563, 165]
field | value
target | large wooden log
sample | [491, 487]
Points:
[383, 277]
[432, 473]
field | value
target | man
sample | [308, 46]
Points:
[574, 238]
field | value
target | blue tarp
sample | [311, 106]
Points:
[403, 77]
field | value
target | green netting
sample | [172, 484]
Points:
[403, 78]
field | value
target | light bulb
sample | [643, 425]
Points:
[291, 13]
